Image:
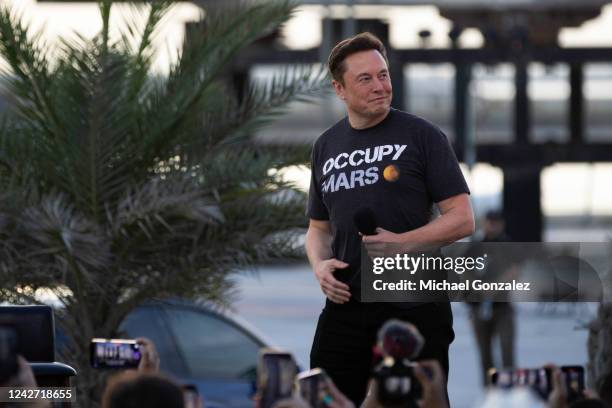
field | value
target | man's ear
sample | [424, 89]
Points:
[338, 88]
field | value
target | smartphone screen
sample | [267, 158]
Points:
[540, 379]
[114, 353]
[276, 373]
[312, 386]
[574, 382]
[191, 396]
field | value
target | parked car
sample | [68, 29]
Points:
[215, 351]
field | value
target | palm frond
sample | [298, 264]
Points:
[57, 241]
[28, 78]
[141, 29]
[203, 59]
[118, 185]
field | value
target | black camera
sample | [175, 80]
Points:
[9, 343]
[398, 343]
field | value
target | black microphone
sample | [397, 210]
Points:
[365, 221]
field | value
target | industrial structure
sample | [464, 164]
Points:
[516, 33]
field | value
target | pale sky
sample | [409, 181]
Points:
[63, 19]
[303, 31]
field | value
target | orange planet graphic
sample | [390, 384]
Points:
[391, 173]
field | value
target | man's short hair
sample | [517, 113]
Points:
[133, 389]
[361, 42]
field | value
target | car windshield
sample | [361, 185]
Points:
[149, 322]
[213, 347]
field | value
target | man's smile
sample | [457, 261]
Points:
[379, 99]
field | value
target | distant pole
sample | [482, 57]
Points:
[327, 35]
[349, 28]
[576, 105]
[462, 117]
[522, 116]
[464, 113]
[327, 43]
[521, 103]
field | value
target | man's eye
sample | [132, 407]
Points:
[364, 79]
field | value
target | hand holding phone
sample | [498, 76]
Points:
[9, 365]
[191, 396]
[543, 380]
[276, 371]
[313, 387]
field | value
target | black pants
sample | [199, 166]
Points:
[346, 334]
[500, 324]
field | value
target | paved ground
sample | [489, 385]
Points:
[284, 302]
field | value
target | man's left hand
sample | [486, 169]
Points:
[384, 243]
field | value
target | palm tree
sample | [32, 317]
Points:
[118, 186]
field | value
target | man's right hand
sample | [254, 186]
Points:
[335, 290]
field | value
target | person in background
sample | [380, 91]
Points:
[333, 398]
[433, 386]
[490, 318]
[23, 378]
[145, 387]
[131, 389]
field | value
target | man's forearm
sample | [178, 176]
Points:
[444, 230]
[318, 246]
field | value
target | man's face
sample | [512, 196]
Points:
[367, 86]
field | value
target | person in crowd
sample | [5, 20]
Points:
[136, 389]
[332, 398]
[558, 396]
[145, 387]
[23, 378]
[433, 384]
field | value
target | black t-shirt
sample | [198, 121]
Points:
[397, 168]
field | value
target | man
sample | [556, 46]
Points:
[348, 172]
[493, 317]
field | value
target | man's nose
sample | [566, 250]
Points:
[377, 85]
